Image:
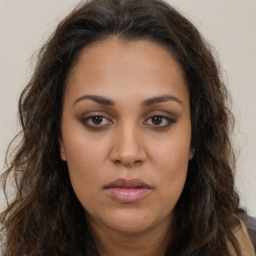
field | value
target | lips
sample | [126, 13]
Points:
[127, 191]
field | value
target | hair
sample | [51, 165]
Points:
[45, 217]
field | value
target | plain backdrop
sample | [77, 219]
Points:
[229, 26]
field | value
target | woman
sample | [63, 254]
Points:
[125, 147]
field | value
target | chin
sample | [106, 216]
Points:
[131, 221]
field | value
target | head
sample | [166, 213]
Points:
[126, 115]
[158, 34]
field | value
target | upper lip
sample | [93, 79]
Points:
[127, 183]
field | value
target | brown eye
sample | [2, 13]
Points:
[160, 121]
[96, 121]
[157, 120]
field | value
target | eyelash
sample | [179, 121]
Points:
[88, 119]
[167, 119]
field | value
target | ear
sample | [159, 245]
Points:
[191, 153]
[62, 150]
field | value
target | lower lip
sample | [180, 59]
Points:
[128, 195]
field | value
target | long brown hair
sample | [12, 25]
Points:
[45, 217]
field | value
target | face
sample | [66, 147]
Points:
[126, 134]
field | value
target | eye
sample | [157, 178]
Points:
[96, 121]
[160, 121]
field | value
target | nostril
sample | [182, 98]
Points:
[117, 161]
[137, 162]
[128, 163]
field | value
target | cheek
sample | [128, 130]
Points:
[82, 155]
[171, 184]
[173, 175]
[172, 154]
[84, 165]
[172, 162]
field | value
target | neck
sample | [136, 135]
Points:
[153, 242]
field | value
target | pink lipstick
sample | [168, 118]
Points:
[127, 191]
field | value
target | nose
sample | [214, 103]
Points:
[128, 147]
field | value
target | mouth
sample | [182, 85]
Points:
[127, 191]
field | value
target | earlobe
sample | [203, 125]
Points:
[62, 150]
[191, 153]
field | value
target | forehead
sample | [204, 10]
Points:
[112, 67]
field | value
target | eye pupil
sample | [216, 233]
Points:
[97, 120]
[157, 120]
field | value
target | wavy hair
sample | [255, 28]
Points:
[45, 217]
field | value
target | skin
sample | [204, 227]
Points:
[128, 142]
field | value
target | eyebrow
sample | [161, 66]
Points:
[99, 99]
[160, 99]
[148, 102]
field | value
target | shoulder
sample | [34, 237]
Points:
[250, 223]
[244, 238]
